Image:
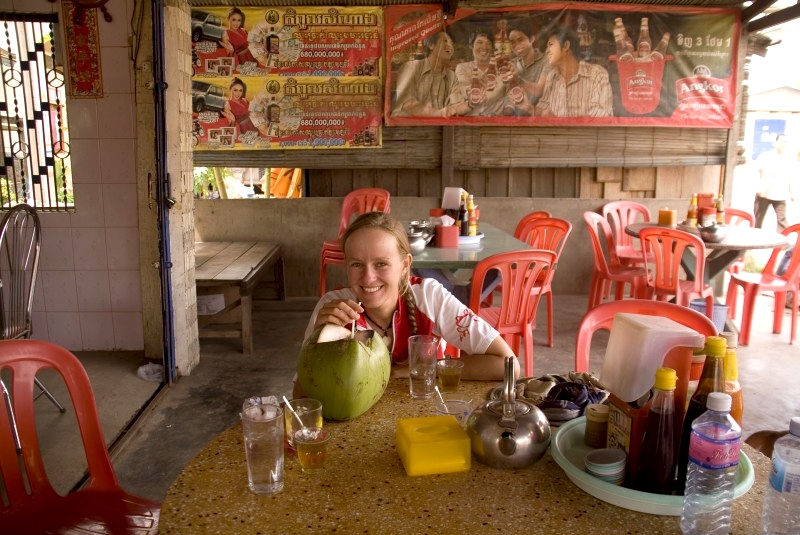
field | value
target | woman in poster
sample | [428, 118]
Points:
[234, 39]
[424, 85]
[237, 108]
[572, 87]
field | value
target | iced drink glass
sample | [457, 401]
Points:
[422, 365]
[312, 447]
[262, 422]
[309, 413]
[449, 372]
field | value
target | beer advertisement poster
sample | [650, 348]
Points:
[609, 65]
[316, 70]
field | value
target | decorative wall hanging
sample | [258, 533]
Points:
[83, 51]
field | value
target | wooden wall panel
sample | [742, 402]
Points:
[639, 179]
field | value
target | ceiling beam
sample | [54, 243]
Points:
[774, 19]
[756, 8]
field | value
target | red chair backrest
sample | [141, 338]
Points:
[602, 242]
[736, 217]
[24, 359]
[621, 214]
[792, 273]
[667, 245]
[601, 317]
[549, 233]
[519, 271]
[522, 227]
[361, 201]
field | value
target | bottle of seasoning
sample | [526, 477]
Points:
[657, 457]
[596, 431]
[712, 380]
[721, 216]
[463, 216]
[691, 213]
[732, 386]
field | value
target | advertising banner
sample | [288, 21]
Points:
[551, 64]
[287, 78]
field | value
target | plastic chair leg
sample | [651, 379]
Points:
[748, 307]
[44, 391]
[528, 340]
[549, 319]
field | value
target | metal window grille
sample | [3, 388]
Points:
[33, 115]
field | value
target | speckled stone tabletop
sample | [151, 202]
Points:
[365, 489]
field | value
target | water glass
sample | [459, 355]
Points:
[455, 404]
[262, 422]
[422, 365]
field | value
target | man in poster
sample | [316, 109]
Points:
[573, 88]
[424, 85]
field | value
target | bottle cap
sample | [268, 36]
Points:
[717, 401]
[597, 412]
[731, 338]
[794, 426]
[715, 345]
[666, 379]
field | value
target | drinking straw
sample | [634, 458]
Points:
[291, 409]
[436, 387]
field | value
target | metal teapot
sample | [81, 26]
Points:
[508, 433]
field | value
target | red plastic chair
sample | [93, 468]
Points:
[735, 218]
[355, 203]
[767, 281]
[519, 273]
[609, 270]
[31, 504]
[621, 214]
[665, 275]
[602, 316]
[522, 229]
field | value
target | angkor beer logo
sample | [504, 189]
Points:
[640, 78]
[702, 86]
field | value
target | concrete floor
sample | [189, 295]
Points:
[186, 415]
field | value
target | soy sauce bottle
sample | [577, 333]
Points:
[658, 457]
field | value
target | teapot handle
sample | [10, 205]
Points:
[509, 419]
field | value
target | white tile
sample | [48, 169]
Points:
[89, 207]
[39, 326]
[128, 334]
[114, 33]
[126, 293]
[56, 251]
[85, 158]
[64, 329]
[82, 116]
[60, 294]
[118, 161]
[116, 69]
[97, 331]
[115, 116]
[123, 248]
[89, 245]
[120, 205]
[94, 291]
[53, 220]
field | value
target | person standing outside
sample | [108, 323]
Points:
[775, 171]
[424, 85]
[573, 88]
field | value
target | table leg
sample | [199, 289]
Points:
[247, 323]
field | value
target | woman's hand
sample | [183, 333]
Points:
[338, 312]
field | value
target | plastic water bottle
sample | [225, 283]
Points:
[782, 500]
[713, 459]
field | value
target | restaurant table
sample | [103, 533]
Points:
[725, 252]
[364, 488]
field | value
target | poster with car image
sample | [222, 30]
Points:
[286, 77]
[557, 64]
[286, 112]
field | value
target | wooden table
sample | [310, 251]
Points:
[239, 265]
[725, 252]
[364, 489]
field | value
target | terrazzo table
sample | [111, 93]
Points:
[364, 489]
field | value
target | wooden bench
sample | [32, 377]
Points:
[240, 265]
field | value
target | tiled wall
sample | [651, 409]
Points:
[88, 295]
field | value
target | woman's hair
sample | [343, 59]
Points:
[238, 81]
[236, 11]
[387, 223]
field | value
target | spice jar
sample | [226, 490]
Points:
[596, 425]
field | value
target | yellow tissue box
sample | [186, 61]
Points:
[432, 445]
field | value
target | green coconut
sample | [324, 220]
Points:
[348, 375]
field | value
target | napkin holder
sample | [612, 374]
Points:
[432, 445]
[446, 236]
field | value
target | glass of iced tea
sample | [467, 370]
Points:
[307, 413]
[449, 372]
[312, 447]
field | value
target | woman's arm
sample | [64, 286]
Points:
[491, 365]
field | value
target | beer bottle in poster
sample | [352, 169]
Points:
[419, 50]
[661, 48]
[645, 45]
[516, 94]
[475, 88]
[623, 41]
[491, 75]
[273, 46]
[273, 117]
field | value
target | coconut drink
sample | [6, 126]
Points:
[348, 372]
